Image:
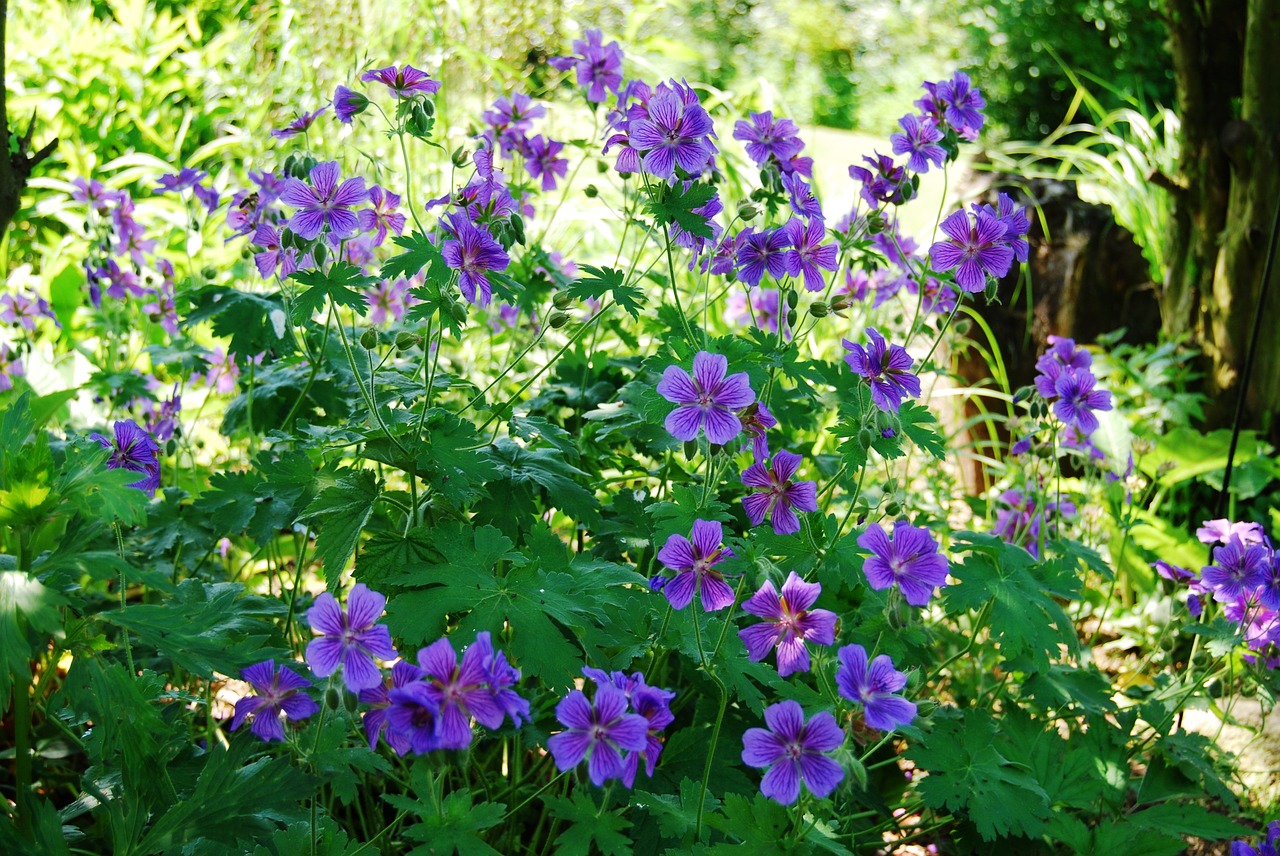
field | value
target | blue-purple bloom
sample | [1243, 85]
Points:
[919, 139]
[324, 203]
[875, 687]
[378, 701]
[133, 449]
[803, 200]
[403, 82]
[768, 139]
[676, 132]
[300, 125]
[707, 399]
[598, 66]
[794, 751]
[350, 639]
[886, 367]
[1237, 569]
[597, 732]
[789, 623]
[650, 702]
[1221, 530]
[910, 559]
[542, 159]
[694, 560]
[185, 179]
[808, 255]
[777, 495]
[885, 182]
[348, 104]
[961, 103]
[279, 691]
[382, 217]
[978, 249]
[413, 717]
[1270, 846]
[1077, 399]
[473, 252]
[461, 690]
[762, 251]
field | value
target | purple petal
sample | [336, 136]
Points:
[359, 671]
[716, 593]
[782, 782]
[677, 553]
[760, 639]
[821, 774]
[324, 655]
[785, 719]
[267, 725]
[888, 712]
[261, 675]
[377, 641]
[684, 422]
[734, 392]
[605, 764]
[792, 656]
[352, 192]
[819, 626]
[783, 520]
[756, 507]
[342, 222]
[324, 178]
[761, 748]
[709, 369]
[721, 425]
[568, 748]
[364, 607]
[307, 223]
[299, 706]
[764, 602]
[799, 594]
[438, 660]
[574, 711]
[326, 616]
[679, 591]
[707, 536]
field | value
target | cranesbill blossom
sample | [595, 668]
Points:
[413, 718]
[502, 676]
[875, 687]
[756, 421]
[885, 182]
[348, 104]
[886, 367]
[910, 559]
[598, 66]
[377, 700]
[707, 399]
[801, 196]
[919, 139]
[961, 103]
[598, 732]
[794, 751]
[223, 371]
[382, 217]
[977, 249]
[1268, 847]
[655, 706]
[23, 309]
[389, 300]
[1077, 400]
[350, 639]
[761, 252]
[1016, 225]
[460, 689]
[1220, 531]
[777, 495]
[1237, 569]
[279, 691]
[184, 179]
[133, 449]
[789, 623]
[808, 254]
[694, 560]
[300, 125]
[403, 82]
[324, 203]
[761, 306]
[675, 133]
[542, 159]
[473, 253]
[767, 138]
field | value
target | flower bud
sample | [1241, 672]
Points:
[332, 698]
[865, 438]
[351, 702]
[818, 309]
[792, 315]
[460, 157]
[962, 327]
[406, 340]
[209, 273]
[690, 449]
[792, 299]
[747, 212]
[320, 253]
[558, 319]
[369, 339]
[892, 509]
[561, 300]
[458, 311]
[591, 191]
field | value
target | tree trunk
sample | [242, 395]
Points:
[15, 166]
[1226, 65]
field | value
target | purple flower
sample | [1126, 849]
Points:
[1269, 847]
[382, 217]
[1171, 572]
[460, 690]
[223, 370]
[351, 639]
[23, 309]
[324, 202]
[911, 560]
[1077, 399]
[1016, 225]
[808, 254]
[794, 751]
[184, 179]
[977, 249]
[761, 306]
[598, 66]
[279, 691]
[133, 449]
[403, 82]
[543, 161]
[708, 399]
[804, 201]
[378, 701]
[389, 300]
[298, 125]
[208, 197]
[961, 102]
[1237, 569]
[413, 718]
[655, 706]
[885, 182]
[756, 420]
[516, 113]
[919, 139]
[874, 688]
[348, 104]
[761, 252]
[1269, 588]
[788, 624]
[10, 367]
[597, 732]
[778, 494]
[675, 132]
[502, 676]
[473, 253]
[768, 139]
[694, 560]
[1215, 531]
[886, 367]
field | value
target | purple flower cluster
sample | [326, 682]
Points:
[773, 143]
[977, 249]
[24, 309]
[1066, 381]
[615, 730]
[597, 66]
[955, 105]
[777, 493]
[324, 205]
[794, 249]
[919, 139]
[885, 183]
[887, 369]
[661, 129]
[350, 640]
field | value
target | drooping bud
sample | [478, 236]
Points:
[369, 339]
[818, 309]
[558, 319]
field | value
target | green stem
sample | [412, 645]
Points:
[22, 750]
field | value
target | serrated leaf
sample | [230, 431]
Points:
[589, 825]
[602, 281]
[913, 419]
[255, 322]
[547, 469]
[341, 512]
[338, 283]
[420, 254]
[675, 204]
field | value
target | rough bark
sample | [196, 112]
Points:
[15, 167]
[1226, 66]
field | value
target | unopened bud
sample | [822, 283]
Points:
[892, 509]
[865, 438]
[460, 157]
[458, 311]
[209, 272]
[747, 212]
[406, 340]
[350, 702]
[558, 319]
[963, 326]
[319, 254]
[818, 309]
[792, 315]
[561, 300]
[690, 449]
[792, 299]
[591, 191]
[369, 339]
[333, 698]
